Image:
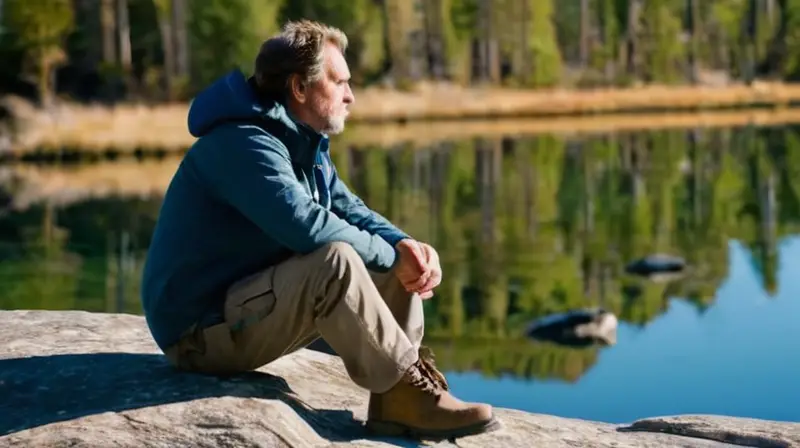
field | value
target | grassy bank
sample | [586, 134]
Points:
[64, 183]
[427, 114]
[102, 146]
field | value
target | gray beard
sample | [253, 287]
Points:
[335, 126]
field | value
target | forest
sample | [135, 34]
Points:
[166, 50]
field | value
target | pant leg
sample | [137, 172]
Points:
[330, 293]
[406, 307]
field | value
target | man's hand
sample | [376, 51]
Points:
[412, 270]
[432, 260]
[418, 270]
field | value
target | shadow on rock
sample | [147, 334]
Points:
[48, 389]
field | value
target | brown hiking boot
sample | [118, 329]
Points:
[419, 407]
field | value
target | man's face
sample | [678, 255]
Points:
[328, 99]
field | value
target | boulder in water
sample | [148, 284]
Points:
[658, 266]
[576, 328]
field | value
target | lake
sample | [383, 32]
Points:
[526, 226]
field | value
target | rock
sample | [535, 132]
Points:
[576, 328]
[658, 267]
[78, 379]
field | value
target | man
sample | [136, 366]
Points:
[260, 249]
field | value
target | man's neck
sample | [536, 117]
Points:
[297, 118]
[287, 105]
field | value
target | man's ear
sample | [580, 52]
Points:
[297, 88]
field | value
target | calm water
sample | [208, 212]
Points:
[526, 228]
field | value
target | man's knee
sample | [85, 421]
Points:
[336, 258]
[338, 253]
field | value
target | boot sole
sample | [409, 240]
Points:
[393, 429]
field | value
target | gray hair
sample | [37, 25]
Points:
[297, 49]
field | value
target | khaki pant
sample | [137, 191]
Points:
[368, 318]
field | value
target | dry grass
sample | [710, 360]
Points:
[63, 185]
[126, 127]
[425, 133]
[444, 101]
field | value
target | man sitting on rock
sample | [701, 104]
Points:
[260, 248]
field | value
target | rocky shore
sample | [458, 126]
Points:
[78, 379]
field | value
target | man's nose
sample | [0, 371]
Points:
[349, 98]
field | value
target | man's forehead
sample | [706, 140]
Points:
[335, 62]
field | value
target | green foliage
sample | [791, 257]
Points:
[792, 39]
[226, 34]
[544, 48]
[39, 25]
[539, 41]
[464, 18]
[359, 19]
[665, 51]
[40, 28]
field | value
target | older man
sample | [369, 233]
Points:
[260, 248]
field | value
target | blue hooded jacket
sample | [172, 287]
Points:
[254, 189]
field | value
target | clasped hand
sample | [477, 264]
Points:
[418, 268]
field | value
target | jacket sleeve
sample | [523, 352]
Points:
[353, 210]
[257, 178]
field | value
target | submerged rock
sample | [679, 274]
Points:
[576, 328]
[70, 378]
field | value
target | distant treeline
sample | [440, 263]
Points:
[161, 50]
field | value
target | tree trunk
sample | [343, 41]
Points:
[769, 10]
[86, 13]
[485, 48]
[167, 46]
[632, 41]
[530, 188]
[108, 23]
[608, 43]
[524, 72]
[434, 39]
[693, 28]
[418, 68]
[124, 36]
[585, 32]
[398, 40]
[747, 41]
[44, 78]
[774, 62]
[180, 38]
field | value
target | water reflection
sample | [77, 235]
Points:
[739, 357]
[526, 228]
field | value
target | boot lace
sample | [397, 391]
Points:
[428, 365]
[417, 376]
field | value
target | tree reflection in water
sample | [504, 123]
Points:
[526, 227]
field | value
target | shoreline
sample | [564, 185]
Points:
[69, 148]
[432, 102]
[386, 117]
